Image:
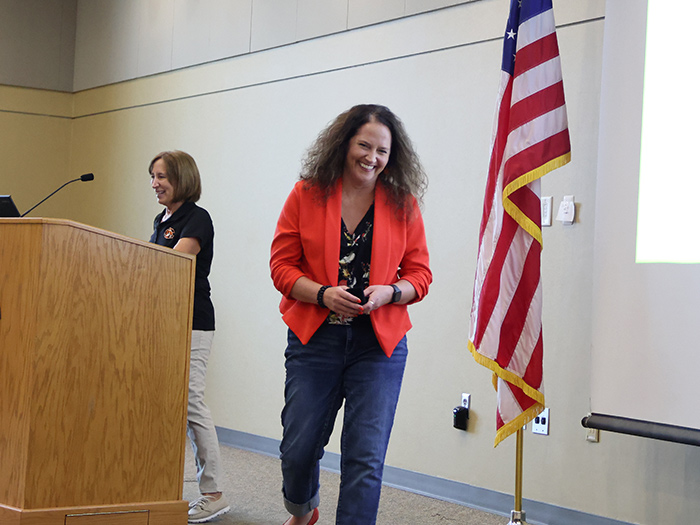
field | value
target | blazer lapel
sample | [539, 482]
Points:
[381, 238]
[333, 211]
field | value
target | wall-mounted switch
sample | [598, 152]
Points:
[546, 203]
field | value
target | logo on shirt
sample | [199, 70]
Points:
[169, 233]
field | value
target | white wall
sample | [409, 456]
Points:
[247, 121]
[73, 45]
[125, 39]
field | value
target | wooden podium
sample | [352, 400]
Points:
[94, 362]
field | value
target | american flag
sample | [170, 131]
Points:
[530, 138]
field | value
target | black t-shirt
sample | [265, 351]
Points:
[189, 220]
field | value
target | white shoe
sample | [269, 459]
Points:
[205, 508]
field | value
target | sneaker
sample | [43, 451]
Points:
[205, 508]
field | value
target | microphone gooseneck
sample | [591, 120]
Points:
[86, 177]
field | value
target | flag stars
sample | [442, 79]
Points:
[511, 34]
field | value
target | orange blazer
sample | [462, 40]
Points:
[307, 243]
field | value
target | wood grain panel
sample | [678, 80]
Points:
[9, 515]
[108, 371]
[115, 518]
[155, 513]
[19, 265]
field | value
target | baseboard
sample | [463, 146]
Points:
[537, 513]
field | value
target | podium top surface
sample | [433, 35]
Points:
[92, 229]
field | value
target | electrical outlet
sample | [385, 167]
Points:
[592, 435]
[460, 414]
[540, 425]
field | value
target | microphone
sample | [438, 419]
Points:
[85, 178]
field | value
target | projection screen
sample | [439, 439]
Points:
[646, 296]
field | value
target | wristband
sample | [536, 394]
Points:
[319, 296]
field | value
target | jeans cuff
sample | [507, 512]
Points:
[302, 509]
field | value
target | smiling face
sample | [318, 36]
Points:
[159, 182]
[368, 154]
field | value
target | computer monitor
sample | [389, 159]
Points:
[7, 207]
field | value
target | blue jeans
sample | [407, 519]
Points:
[339, 363]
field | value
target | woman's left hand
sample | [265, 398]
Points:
[377, 295]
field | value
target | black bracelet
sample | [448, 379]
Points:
[319, 296]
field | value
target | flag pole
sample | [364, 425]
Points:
[517, 516]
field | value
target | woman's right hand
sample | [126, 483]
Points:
[340, 301]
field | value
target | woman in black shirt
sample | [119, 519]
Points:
[186, 227]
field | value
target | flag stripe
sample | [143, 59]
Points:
[519, 165]
[491, 285]
[536, 105]
[533, 373]
[536, 79]
[500, 137]
[503, 275]
[536, 53]
[513, 323]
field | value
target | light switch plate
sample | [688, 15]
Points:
[546, 203]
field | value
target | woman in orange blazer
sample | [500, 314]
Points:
[349, 253]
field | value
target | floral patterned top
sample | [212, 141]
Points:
[355, 256]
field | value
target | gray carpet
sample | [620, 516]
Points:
[253, 487]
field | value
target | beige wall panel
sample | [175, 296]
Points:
[37, 43]
[78, 44]
[66, 60]
[155, 37]
[437, 30]
[421, 6]
[206, 31]
[273, 23]
[35, 157]
[366, 12]
[107, 42]
[321, 17]
[36, 102]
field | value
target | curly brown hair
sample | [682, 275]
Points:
[403, 175]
